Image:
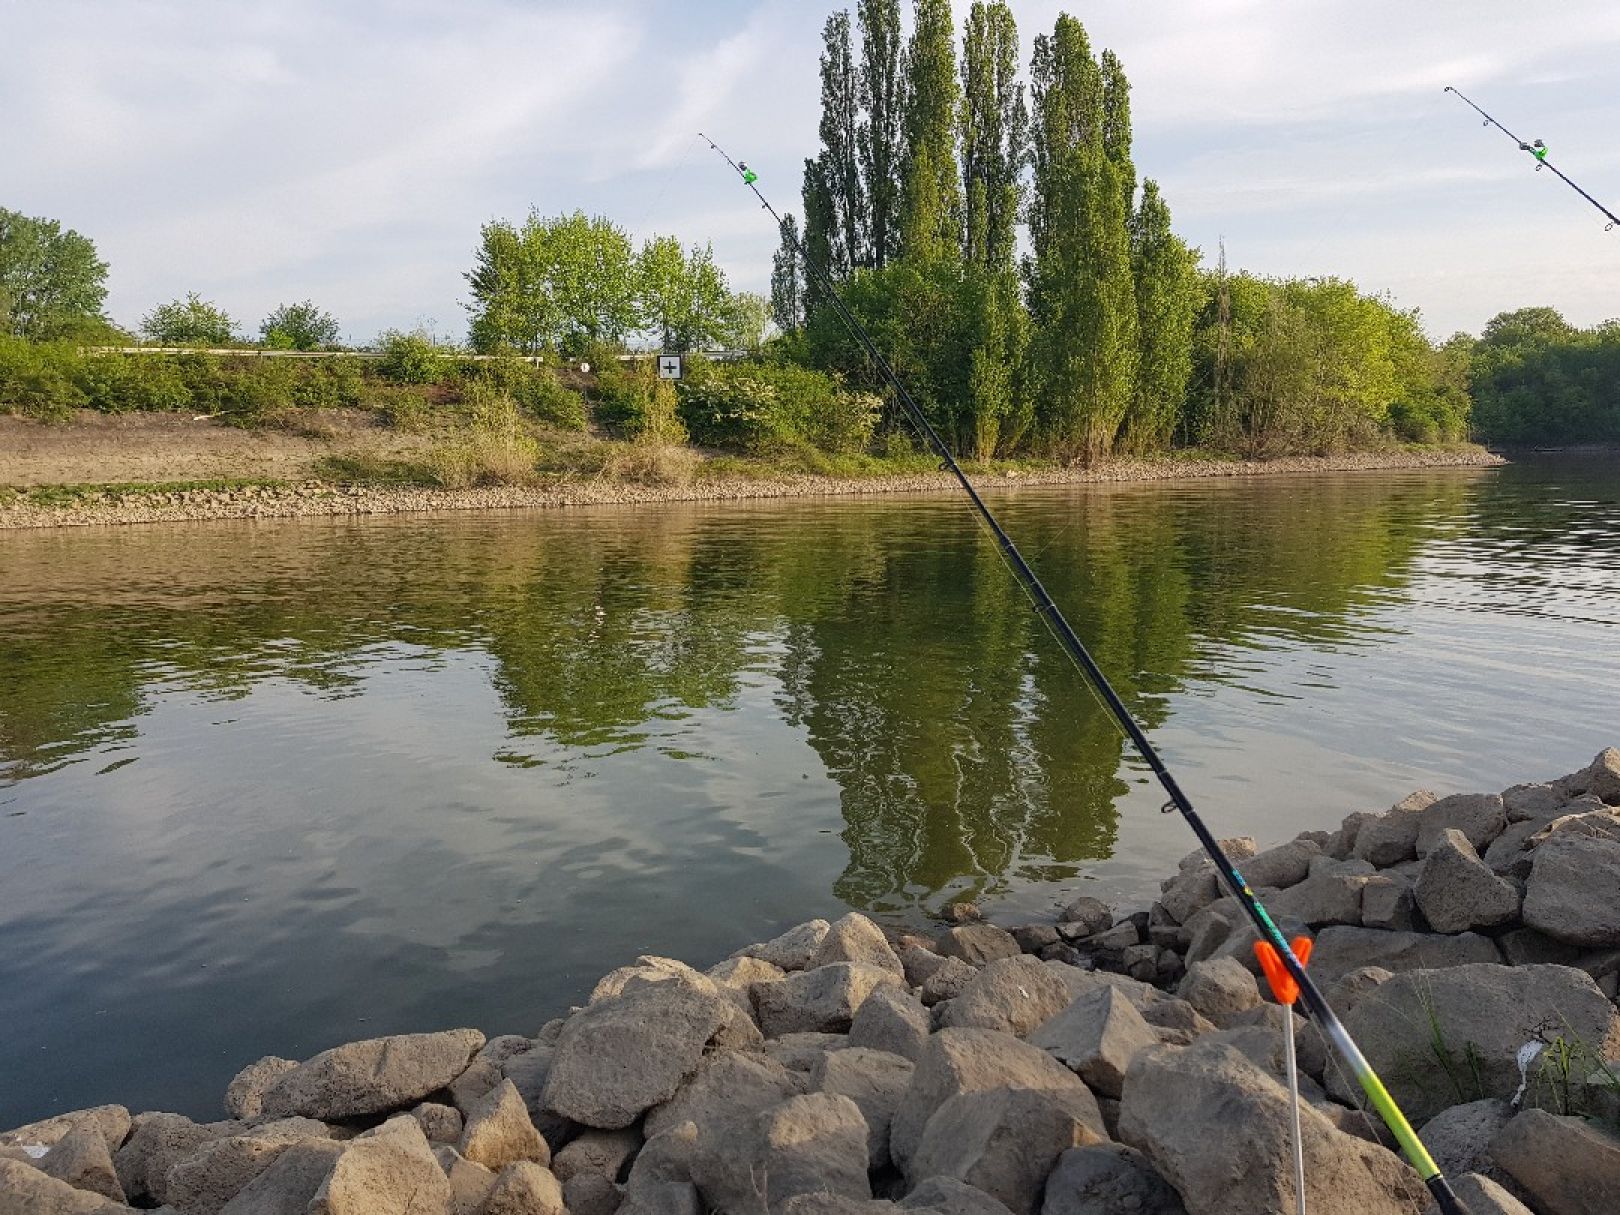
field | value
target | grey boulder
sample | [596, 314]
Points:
[1105, 1178]
[1457, 892]
[1012, 995]
[1097, 1036]
[1571, 891]
[854, 938]
[1565, 1166]
[823, 1000]
[371, 1077]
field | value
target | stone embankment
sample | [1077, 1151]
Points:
[1100, 1064]
[124, 505]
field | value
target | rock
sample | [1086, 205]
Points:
[244, 1096]
[823, 1000]
[801, 1052]
[1600, 778]
[649, 968]
[1120, 937]
[507, 1046]
[973, 1060]
[1209, 928]
[948, 1196]
[1387, 903]
[1479, 816]
[1093, 915]
[1392, 837]
[156, 1143]
[948, 982]
[814, 1144]
[480, 1079]
[203, 1182]
[1280, 867]
[1509, 854]
[977, 944]
[920, 964]
[291, 1181]
[1219, 989]
[1526, 946]
[874, 1081]
[1456, 891]
[1218, 1128]
[1238, 848]
[525, 1188]
[891, 1020]
[590, 1194]
[1012, 995]
[854, 938]
[24, 1190]
[81, 1159]
[440, 1123]
[529, 1072]
[604, 1153]
[1097, 1036]
[665, 1160]
[663, 1198]
[744, 972]
[1524, 802]
[112, 1121]
[1032, 938]
[499, 1133]
[1343, 844]
[617, 1058]
[1339, 950]
[729, 1085]
[1565, 1166]
[1482, 1196]
[371, 1077]
[1427, 1031]
[1571, 892]
[1108, 1179]
[1004, 1141]
[392, 1171]
[470, 1183]
[1325, 897]
[1459, 1138]
[793, 949]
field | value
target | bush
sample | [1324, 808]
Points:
[410, 358]
[764, 407]
[328, 383]
[494, 449]
[259, 393]
[37, 380]
[536, 389]
[117, 383]
[635, 403]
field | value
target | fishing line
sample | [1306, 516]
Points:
[1538, 153]
[1315, 1002]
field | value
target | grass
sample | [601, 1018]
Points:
[77, 495]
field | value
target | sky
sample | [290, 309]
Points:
[348, 152]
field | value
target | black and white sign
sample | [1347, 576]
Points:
[669, 367]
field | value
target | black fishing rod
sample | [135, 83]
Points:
[1327, 1020]
[1538, 153]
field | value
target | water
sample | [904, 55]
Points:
[269, 787]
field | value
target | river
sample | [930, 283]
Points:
[269, 787]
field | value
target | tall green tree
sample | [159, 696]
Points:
[998, 393]
[994, 135]
[1168, 298]
[681, 296]
[1082, 298]
[787, 281]
[192, 321]
[843, 203]
[930, 188]
[299, 327]
[881, 136]
[748, 321]
[51, 280]
[1116, 120]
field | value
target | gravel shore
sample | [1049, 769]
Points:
[313, 498]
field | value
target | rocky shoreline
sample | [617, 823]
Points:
[317, 499]
[1098, 1064]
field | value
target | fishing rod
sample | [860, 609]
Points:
[1538, 152]
[1327, 1020]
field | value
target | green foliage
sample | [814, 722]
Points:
[50, 280]
[299, 327]
[37, 380]
[763, 407]
[536, 390]
[636, 404]
[879, 132]
[994, 132]
[410, 358]
[117, 383]
[493, 447]
[748, 322]
[836, 221]
[930, 188]
[1537, 379]
[1169, 296]
[192, 321]
[682, 296]
[787, 280]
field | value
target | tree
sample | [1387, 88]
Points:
[842, 208]
[1116, 120]
[787, 282]
[682, 296]
[1168, 298]
[994, 135]
[50, 280]
[930, 190]
[880, 135]
[748, 321]
[299, 327]
[192, 321]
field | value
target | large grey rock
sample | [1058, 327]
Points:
[1600, 778]
[891, 1020]
[24, 1190]
[1571, 891]
[920, 963]
[744, 972]
[1012, 995]
[1509, 854]
[1219, 1129]
[1219, 989]
[529, 1072]
[948, 1196]
[1097, 1036]
[590, 1194]
[290, 1183]
[617, 1058]
[373, 1076]
[81, 1159]
[1457, 892]
[1523, 802]
[1565, 1166]
[244, 1096]
[874, 1081]
[1392, 837]
[947, 982]
[1435, 1035]
[604, 1153]
[1189, 892]
[1327, 896]
[1482, 1196]
[111, 1121]
[440, 1123]
[729, 1085]
[977, 944]
[793, 949]
[1280, 867]
[157, 1142]
[203, 1182]
[854, 938]
[1092, 915]
[388, 1170]
[1479, 816]
[1108, 1179]
[823, 1000]
[814, 1144]
[1339, 950]
[1387, 903]
[470, 1182]
[1003, 1141]
[525, 1188]
[498, 1132]
[1459, 1138]
[801, 1052]
[974, 1060]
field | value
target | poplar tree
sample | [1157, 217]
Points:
[1081, 292]
[818, 228]
[1168, 300]
[930, 190]
[787, 285]
[882, 97]
[840, 163]
[1116, 120]
[994, 134]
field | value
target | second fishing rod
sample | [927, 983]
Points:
[1316, 1003]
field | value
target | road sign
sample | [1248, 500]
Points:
[669, 367]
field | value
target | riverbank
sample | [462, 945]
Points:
[1099, 1061]
[622, 475]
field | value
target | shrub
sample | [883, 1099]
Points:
[634, 402]
[536, 389]
[328, 383]
[123, 383]
[37, 379]
[493, 449]
[763, 407]
[410, 358]
[259, 393]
